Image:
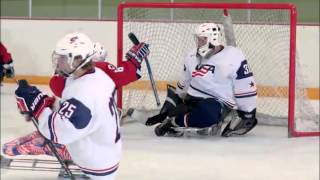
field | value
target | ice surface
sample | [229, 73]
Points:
[264, 154]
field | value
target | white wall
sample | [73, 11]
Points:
[31, 43]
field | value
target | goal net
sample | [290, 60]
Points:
[266, 33]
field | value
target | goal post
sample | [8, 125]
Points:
[266, 32]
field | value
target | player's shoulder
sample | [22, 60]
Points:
[192, 54]
[90, 84]
[233, 50]
[235, 54]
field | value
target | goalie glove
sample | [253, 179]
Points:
[30, 100]
[169, 105]
[241, 125]
[137, 53]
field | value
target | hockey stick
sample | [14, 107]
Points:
[47, 141]
[228, 29]
[135, 41]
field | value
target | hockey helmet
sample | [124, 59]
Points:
[208, 35]
[101, 53]
[73, 46]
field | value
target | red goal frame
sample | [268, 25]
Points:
[292, 132]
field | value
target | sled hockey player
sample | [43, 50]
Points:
[6, 66]
[33, 144]
[216, 80]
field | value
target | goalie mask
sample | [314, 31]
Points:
[71, 53]
[101, 53]
[208, 35]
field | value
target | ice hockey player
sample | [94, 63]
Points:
[87, 121]
[34, 144]
[6, 66]
[216, 79]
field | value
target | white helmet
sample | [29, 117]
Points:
[101, 53]
[73, 46]
[213, 37]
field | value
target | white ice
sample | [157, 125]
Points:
[264, 154]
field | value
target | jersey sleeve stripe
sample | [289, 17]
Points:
[53, 136]
[100, 172]
[244, 95]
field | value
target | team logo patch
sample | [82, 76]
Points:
[202, 70]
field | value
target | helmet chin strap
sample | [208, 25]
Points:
[210, 51]
[76, 68]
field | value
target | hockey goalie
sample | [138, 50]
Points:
[216, 80]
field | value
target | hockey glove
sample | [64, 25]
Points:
[137, 53]
[8, 70]
[241, 125]
[31, 100]
[170, 104]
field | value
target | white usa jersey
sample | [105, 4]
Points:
[224, 76]
[87, 122]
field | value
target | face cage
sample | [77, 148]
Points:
[65, 64]
[201, 41]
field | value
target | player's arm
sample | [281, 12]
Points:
[63, 126]
[72, 121]
[57, 84]
[175, 96]
[245, 94]
[122, 75]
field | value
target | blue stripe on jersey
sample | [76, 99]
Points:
[244, 70]
[50, 127]
[76, 112]
[229, 104]
[101, 172]
[53, 136]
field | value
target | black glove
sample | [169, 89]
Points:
[31, 100]
[137, 53]
[159, 118]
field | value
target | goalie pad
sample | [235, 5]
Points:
[240, 125]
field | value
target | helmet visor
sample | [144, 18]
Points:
[60, 64]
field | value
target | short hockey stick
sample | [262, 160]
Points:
[135, 41]
[47, 141]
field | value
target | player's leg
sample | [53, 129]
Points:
[33, 144]
[12, 148]
[206, 113]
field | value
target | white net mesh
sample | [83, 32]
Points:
[263, 35]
